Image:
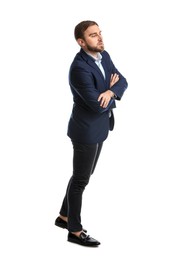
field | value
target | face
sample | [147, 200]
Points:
[92, 42]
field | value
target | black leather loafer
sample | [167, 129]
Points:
[63, 224]
[60, 223]
[83, 240]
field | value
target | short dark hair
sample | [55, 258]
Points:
[82, 27]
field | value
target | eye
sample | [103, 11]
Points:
[96, 35]
[93, 35]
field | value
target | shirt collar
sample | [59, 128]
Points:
[99, 56]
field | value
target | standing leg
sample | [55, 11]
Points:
[84, 162]
[97, 156]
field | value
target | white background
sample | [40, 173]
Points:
[133, 204]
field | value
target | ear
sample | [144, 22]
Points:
[81, 42]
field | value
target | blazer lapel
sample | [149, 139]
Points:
[91, 62]
[107, 74]
[94, 65]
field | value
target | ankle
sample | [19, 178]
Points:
[64, 218]
[77, 233]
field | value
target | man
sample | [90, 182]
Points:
[95, 84]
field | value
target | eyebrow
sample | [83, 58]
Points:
[94, 33]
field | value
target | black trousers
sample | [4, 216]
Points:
[84, 161]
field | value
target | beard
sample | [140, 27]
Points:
[100, 48]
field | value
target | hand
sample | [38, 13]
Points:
[114, 79]
[105, 97]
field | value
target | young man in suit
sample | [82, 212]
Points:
[95, 84]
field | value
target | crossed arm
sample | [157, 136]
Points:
[105, 97]
[81, 81]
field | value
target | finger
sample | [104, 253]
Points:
[100, 97]
[116, 76]
[103, 105]
[104, 102]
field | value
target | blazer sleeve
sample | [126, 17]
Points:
[119, 87]
[83, 83]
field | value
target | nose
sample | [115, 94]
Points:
[100, 37]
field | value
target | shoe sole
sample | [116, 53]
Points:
[80, 243]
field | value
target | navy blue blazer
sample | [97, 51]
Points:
[89, 122]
